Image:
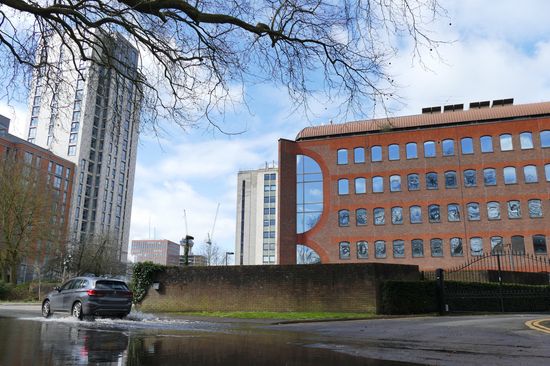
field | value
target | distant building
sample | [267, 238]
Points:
[163, 252]
[194, 260]
[256, 232]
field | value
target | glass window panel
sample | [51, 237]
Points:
[417, 248]
[509, 175]
[535, 208]
[359, 155]
[313, 192]
[360, 185]
[436, 246]
[395, 183]
[473, 211]
[343, 218]
[379, 217]
[506, 142]
[434, 214]
[361, 216]
[311, 177]
[497, 244]
[476, 246]
[448, 147]
[413, 182]
[429, 149]
[431, 180]
[453, 212]
[530, 174]
[486, 143]
[342, 156]
[518, 244]
[411, 150]
[526, 140]
[397, 215]
[310, 220]
[310, 165]
[514, 209]
[313, 207]
[470, 178]
[547, 172]
[377, 184]
[493, 210]
[456, 247]
[309, 192]
[376, 153]
[398, 249]
[343, 186]
[539, 244]
[345, 252]
[415, 214]
[393, 152]
[450, 179]
[362, 249]
[490, 177]
[380, 249]
[467, 145]
[545, 139]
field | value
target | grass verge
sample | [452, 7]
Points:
[279, 315]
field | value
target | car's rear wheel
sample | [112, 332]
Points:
[77, 310]
[46, 309]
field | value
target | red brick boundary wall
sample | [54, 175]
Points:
[324, 287]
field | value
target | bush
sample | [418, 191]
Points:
[5, 289]
[408, 297]
[143, 276]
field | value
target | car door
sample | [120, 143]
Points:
[56, 299]
[72, 293]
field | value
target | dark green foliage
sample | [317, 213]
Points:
[5, 289]
[142, 278]
[408, 297]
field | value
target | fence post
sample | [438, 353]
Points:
[440, 290]
[501, 298]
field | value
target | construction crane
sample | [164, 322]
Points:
[210, 235]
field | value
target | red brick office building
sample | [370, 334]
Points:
[431, 189]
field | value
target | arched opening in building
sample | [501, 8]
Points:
[306, 255]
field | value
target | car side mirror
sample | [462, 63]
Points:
[57, 288]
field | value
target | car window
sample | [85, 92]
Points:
[111, 285]
[67, 285]
[76, 284]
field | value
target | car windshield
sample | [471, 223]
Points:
[110, 285]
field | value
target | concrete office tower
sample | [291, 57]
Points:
[88, 114]
[256, 217]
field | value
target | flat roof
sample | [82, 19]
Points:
[426, 120]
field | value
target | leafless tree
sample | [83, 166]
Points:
[211, 251]
[195, 54]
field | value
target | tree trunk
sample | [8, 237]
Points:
[13, 275]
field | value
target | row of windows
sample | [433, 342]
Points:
[447, 147]
[473, 210]
[451, 179]
[437, 247]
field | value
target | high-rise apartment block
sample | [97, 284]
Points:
[88, 114]
[256, 232]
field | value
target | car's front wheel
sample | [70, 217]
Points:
[46, 309]
[77, 310]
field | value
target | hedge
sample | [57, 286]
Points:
[408, 297]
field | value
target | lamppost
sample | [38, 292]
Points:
[227, 254]
[187, 244]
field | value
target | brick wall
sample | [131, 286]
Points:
[332, 287]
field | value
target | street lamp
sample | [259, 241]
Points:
[187, 243]
[227, 254]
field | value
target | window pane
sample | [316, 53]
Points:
[395, 183]
[526, 140]
[539, 244]
[493, 210]
[448, 147]
[417, 248]
[433, 213]
[518, 244]
[397, 215]
[360, 185]
[393, 152]
[453, 212]
[470, 178]
[413, 181]
[359, 155]
[377, 184]
[436, 246]
[398, 249]
[379, 217]
[344, 250]
[343, 218]
[506, 142]
[473, 211]
[476, 246]
[486, 143]
[416, 214]
[362, 250]
[514, 209]
[411, 150]
[456, 247]
[380, 249]
[343, 186]
[490, 177]
[530, 174]
[361, 216]
[450, 179]
[535, 208]
[429, 149]
[509, 175]
[342, 156]
[545, 139]
[547, 172]
[497, 244]
[431, 180]
[467, 145]
[376, 153]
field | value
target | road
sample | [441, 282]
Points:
[152, 340]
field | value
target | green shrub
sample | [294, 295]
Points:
[143, 277]
[5, 289]
[408, 297]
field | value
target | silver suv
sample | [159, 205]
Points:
[89, 296]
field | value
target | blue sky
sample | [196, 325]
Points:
[499, 49]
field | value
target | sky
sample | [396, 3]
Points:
[495, 49]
